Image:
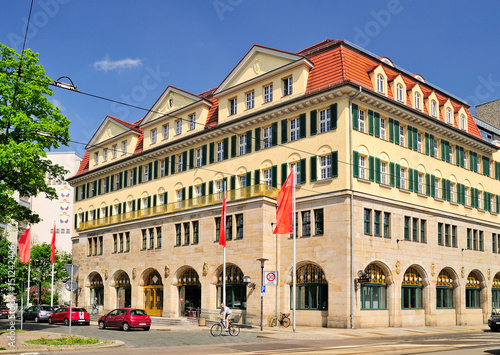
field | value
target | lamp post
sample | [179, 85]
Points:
[66, 86]
[262, 261]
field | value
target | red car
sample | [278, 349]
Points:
[125, 318]
[4, 312]
[62, 315]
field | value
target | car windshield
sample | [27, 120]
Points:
[45, 308]
[78, 310]
[138, 312]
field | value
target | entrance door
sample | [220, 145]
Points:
[189, 293]
[153, 300]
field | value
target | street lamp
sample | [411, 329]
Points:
[66, 86]
[262, 261]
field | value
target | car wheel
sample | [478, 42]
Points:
[88, 323]
[66, 321]
[125, 326]
[494, 329]
[37, 320]
[51, 321]
[102, 325]
[146, 328]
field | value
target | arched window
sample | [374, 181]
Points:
[312, 288]
[462, 122]
[444, 290]
[448, 115]
[236, 294]
[433, 108]
[473, 292]
[96, 289]
[417, 101]
[380, 83]
[399, 92]
[495, 292]
[374, 292]
[411, 289]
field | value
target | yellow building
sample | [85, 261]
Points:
[397, 211]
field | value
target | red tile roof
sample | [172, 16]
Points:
[84, 164]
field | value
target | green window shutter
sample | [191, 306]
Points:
[457, 156]
[410, 179]
[184, 160]
[333, 116]
[415, 180]
[443, 152]
[284, 173]
[376, 117]
[274, 176]
[355, 117]
[99, 183]
[233, 146]
[112, 185]
[183, 193]
[355, 164]
[447, 152]
[398, 176]
[98, 213]
[257, 177]
[165, 198]
[314, 172]
[427, 184]
[415, 139]
[138, 204]
[284, 131]
[459, 193]
[166, 165]
[154, 200]
[76, 195]
[211, 187]
[497, 198]
[391, 130]
[249, 178]
[191, 159]
[232, 183]
[211, 153]
[225, 144]
[258, 137]
[125, 178]
[427, 152]
[410, 137]
[313, 121]
[249, 141]
[274, 134]
[87, 190]
[370, 122]
[486, 166]
[302, 125]
[371, 166]
[150, 165]
[75, 219]
[203, 188]
[135, 177]
[303, 171]
[86, 216]
[172, 164]
[396, 132]
[190, 192]
[431, 143]
[392, 173]
[377, 170]
[155, 170]
[204, 155]
[121, 179]
[433, 185]
[335, 164]
[471, 161]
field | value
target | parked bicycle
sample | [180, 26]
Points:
[283, 319]
[217, 328]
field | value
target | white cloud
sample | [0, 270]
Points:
[106, 64]
[58, 103]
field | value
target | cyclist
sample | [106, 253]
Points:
[225, 312]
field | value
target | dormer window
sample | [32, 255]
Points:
[233, 109]
[433, 108]
[250, 99]
[380, 83]
[178, 127]
[448, 115]
[462, 122]
[192, 121]
[268, 93]
[105, 154]
[287, 86]
[124, 147]
[399, 92]
[166, 130]
[96, 158]
[417, 101]
[153, 136]
[115, 151]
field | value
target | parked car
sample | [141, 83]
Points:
[78, 316]
[38, 313]
[4, 311]
[125, 318]
[494, 320]
[57, 306]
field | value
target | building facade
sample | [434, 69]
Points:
[397, 211]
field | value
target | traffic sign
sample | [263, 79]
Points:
[271, 278]
[71, 285]
[263, 289]
[71, 269]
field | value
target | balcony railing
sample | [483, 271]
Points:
[197, 202]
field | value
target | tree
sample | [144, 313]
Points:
[29, 126]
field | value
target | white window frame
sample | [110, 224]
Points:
[399, 93]
[462, 121]
[220, 151]
[436, 188]
[268, 93]
[154, 133]
[146, 173]
[478, 164]
[361, 121]
[296, 166]
[451, 154]
[162, 168]
[219, 189]
[242, 181]
[417, 100]
[117, 181]
[242, 142]
[479, 199]
[419, 142]
[199, 157]
[178, 127]
[383, 172]
[433, 108]
[166, 131]
[325, 166]
[124, 147]
[267, 137]
[294, 129]
[180, 161]
[466, 195]
[420, 183]
[233, 106]
[96, 158]
[250, 100]
[362, 167]
[192, 121]
[402, 136]
[267, 176]
[452, 192]
[436, 150]
[382, 129]
[324, 121]
[287, 86]
[131, 177]
[105, 154]
[178, 197]
[465, 159]
[402, 178]
[197, 191]
[448, 115]
[380, 83]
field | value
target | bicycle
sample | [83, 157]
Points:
[216, 329]
[284, 321]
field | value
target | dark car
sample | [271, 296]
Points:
[38, 313]
[494, 320]
[78, 316]
[4, 312]
[125, 318]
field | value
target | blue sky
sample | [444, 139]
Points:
[131, 50]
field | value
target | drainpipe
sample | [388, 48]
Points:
[351, 282]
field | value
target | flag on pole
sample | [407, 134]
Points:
[53, 246]
[284, 213]
[24, 246]
[222, 229]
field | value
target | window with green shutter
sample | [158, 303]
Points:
[313, 122]
[355, 117]
[314, 172]
[333, 116]
[284, 131]
[258, 138]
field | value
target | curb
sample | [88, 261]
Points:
[115, 344]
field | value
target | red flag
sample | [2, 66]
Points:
[222, 229]
[24, 246]
[285, 212]
[53, 246]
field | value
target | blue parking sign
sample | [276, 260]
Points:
[262, 289]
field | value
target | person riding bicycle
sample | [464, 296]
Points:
[225, 312]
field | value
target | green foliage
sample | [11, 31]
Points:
[29, 126]
[63, 340]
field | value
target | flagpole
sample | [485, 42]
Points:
[52, 284]
[294, 291]
[224, 255]
[28, 293]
